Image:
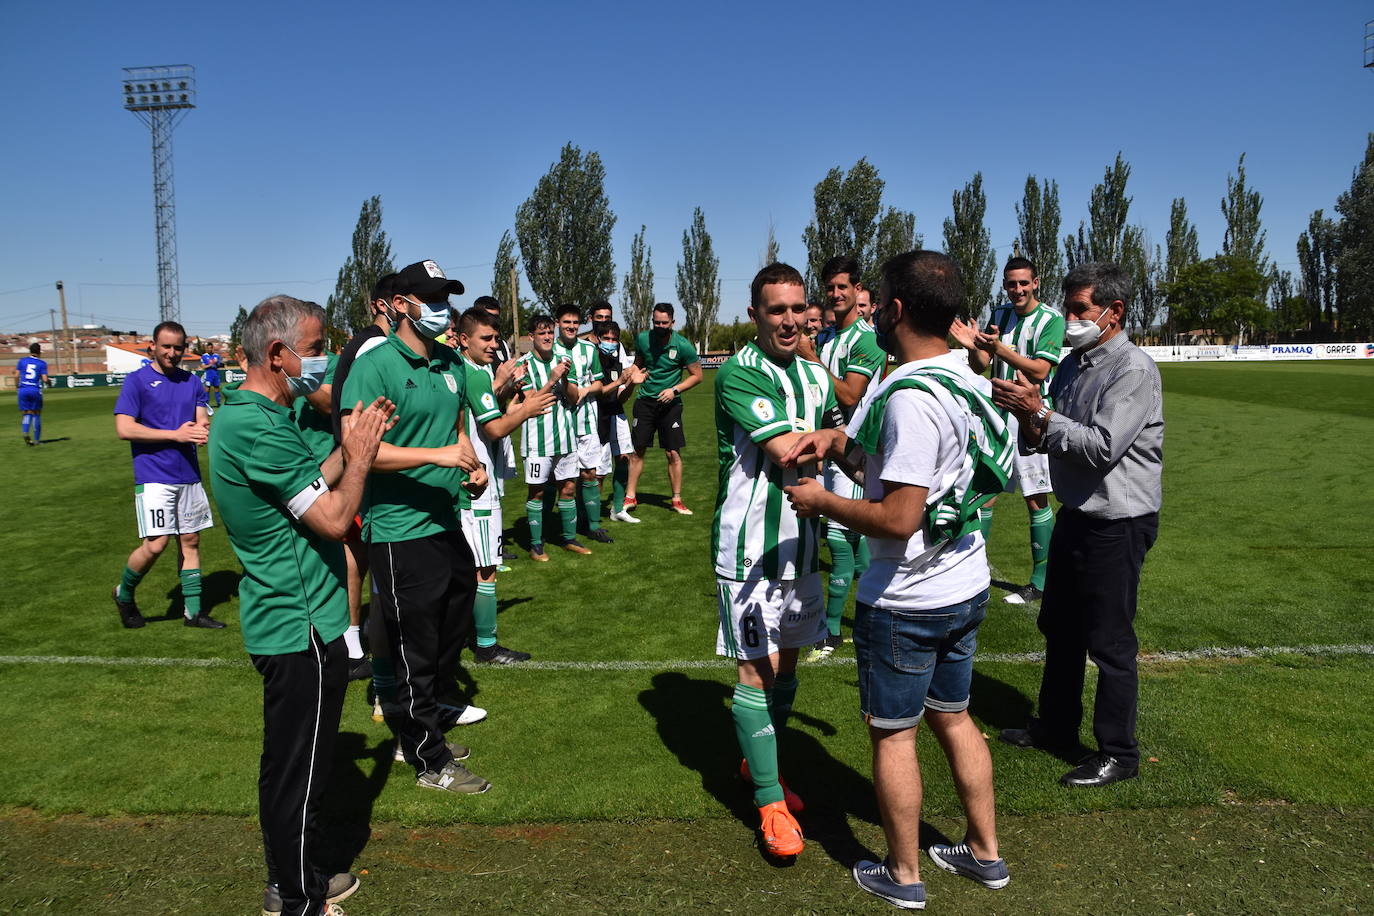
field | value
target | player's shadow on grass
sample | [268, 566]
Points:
[1000, 705]
[55, 439]
[215, 589]
[505, 604]
[346, 808]
[694, 722]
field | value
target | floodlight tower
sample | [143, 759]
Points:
[1369, 45]
[160, 96]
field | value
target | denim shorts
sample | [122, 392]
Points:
[911, 660]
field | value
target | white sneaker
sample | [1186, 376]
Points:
[450, 716]
[623, 516]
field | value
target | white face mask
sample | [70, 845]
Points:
[433, 321]
[313, 369]
[1081, 333]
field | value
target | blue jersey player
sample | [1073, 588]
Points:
[211, 363]
[162, 413]
[33, 378]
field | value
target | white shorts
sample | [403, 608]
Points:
[171, 508]
[1029, 473]
[760, 616]
[541, 470]
[619, 445]
[588, 452]
[482, 528]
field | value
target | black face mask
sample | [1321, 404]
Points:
[662, 333]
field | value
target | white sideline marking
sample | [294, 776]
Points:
[1012, 658]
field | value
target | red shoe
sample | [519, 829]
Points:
[793, 800]
[631, 503]
[782, 834]
[677, 506]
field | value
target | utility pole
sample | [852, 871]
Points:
[56, 341]
[67, 328]
[515, 309]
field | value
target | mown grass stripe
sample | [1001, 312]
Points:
[1206, 653]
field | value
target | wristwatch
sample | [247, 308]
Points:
[676, 393]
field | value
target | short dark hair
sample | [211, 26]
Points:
[382, 288]
[664, 307]
[841, 264]
[35, 349]
[489, 303]
[930, 288]
[1108, 282]
[598, 305]
[1016, 262]
[775, 273]
[605, 327]
[540, 320]
[173, 326]
[474, 316]
[567, 308]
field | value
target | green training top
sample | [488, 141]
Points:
[1039, 334]
[428, 394]
[265, 478]
[665, 361]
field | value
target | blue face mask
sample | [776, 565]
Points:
[433, 320]
[884, 341]
[609, 347]
[313, 369]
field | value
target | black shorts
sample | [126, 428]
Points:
[652, 415]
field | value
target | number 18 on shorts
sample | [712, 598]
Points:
[171, 508]
[760, 616]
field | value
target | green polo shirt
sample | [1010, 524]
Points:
[665, 361]
[428, 394]
[264, 478]
[316, 427]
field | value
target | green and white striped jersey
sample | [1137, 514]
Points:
[548, 435]
[481, 407]
[1037, 335]
[586, 368]
[755, 533]
[854, 349]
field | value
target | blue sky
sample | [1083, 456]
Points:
[451, 112]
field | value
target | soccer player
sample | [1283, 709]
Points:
[488, 427]
[1024, 336]
[285, 512]
[863, 302]
[211, 363]
[665, 355]
[548, 441]
[162, 413]
[32, 374]
[584, 373]
[933, 447]
[421, 563]
[766, 559]
[619, 378]
[853, 359]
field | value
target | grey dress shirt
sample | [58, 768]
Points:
[1105, 439]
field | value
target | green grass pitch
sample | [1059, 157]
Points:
[131, 787]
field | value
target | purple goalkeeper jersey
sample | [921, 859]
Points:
[162, 402]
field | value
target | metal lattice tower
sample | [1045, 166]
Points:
[1369, 44]
[160, 96]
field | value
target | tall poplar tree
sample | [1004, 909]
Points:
[896, 235]
[564, 229]
[1241, 207]
[1037, 220]
[637, 292]
[505, 286]
[845, 221]
[968, 242]
[349, 307]
[1108, 207]
[698, 280]
[1355, 258]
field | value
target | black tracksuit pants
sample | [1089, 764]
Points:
[425, 590]
[302, 699]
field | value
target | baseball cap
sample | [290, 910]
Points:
[424, 279]
[382, 288]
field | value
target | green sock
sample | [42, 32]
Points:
[862, 558]
[1041, 527]
[190, 591]
[780, 699]
[591, 502]
[384, 679]
[985, 521]
[620, 479]
[758, 741]
[534, 514]
[484, 614]
[841, 575]
[127, 583]
[567, 509]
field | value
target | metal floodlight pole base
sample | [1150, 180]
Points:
[160, 96]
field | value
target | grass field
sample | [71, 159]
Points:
[130, 757]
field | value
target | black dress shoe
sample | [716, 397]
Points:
[202, 621]
[1034, 736]
[1097, 770]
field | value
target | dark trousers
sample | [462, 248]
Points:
[302, 699]
[1089, 610]
[425, 590]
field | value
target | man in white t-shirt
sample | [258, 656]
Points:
[932, 448]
